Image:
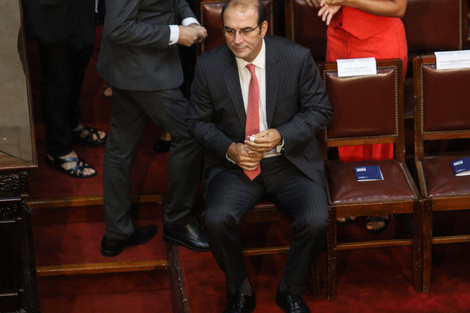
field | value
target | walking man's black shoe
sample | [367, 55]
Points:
[112, 247]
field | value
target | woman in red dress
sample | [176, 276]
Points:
[360, 29]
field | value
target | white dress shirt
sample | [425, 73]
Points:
[245, 76]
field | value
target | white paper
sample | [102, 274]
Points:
[357, 67]
[452, 59]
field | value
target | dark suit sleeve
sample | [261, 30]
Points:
[126, 23]
[201, 113]
[184, 11]
[50, 2]
[315, 110]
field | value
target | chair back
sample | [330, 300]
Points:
[442, 113]
[441, 103]
[306, 28]
[432, 25]
[210, 17]
[367, 109]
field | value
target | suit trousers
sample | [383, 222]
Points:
[130, 111]
[231, 194]
[63, 70]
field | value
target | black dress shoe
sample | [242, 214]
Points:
[290, 303]
[192, 236]
[240, 303]
[162, 145]
[112, 247]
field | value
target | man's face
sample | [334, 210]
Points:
[248, 44]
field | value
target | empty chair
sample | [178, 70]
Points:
[442, 113]
[369, 110]
[431, 25]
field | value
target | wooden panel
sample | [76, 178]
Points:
[306, 28]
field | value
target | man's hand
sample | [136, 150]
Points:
[190, 35]
[202, 31]
[244, 158]
[264, 141]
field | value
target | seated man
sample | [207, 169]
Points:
[275, 156]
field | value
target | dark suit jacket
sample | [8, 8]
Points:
[59, 20]
[135, 54]
[297, 105]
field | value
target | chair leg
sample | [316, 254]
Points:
[427, 244]
[417, 245]
[331, 247]
[316, 279]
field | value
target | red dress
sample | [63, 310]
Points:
[357, 34]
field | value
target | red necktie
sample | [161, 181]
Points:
[252, 114]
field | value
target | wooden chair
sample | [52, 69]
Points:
[369, 110]
[306, 28]
[431, 25]
[209, 13]
[442, 113]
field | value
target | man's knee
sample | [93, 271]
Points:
[312, 224]
[217, 221]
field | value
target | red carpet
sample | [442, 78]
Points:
[72, 236]
[375, 280]
[76, 237]
[137, 292]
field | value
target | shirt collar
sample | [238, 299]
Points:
[259, 61]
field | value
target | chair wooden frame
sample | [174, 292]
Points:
[456, 192]
[361, 202]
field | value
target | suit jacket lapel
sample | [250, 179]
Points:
[233, 85]
[272, 80]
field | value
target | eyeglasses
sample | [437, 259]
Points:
[244, 32]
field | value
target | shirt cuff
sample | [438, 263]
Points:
[280, 147]
[174, 34]
[175, 31]
[189, 20]
[229, 159]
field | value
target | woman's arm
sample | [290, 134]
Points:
[389, 8]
